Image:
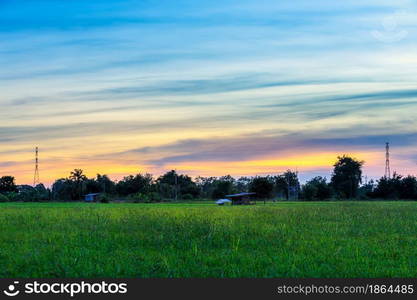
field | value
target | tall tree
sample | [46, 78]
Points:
[346, 177]
[77, 176]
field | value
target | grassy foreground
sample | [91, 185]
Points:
[349, 239]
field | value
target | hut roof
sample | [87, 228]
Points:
[240, 195]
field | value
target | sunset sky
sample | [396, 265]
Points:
[206, 87]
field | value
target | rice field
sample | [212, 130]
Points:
[337, 239]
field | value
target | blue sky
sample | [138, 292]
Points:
[242, 87]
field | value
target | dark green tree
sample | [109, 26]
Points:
[242, 184]
[7, 184]
[100, 184]
[224, 185]
[79, 179]
[347, 175]
[366, 191]
[262, 186]
[316, 189]
[389, 188]
[206, 185]
[175, 186]
[29, 193]
[140, 183]
[64, 190]
[287, 184]
[408, 188]
[42, 193]
[106, 184]
[309, 192]
[71, 188]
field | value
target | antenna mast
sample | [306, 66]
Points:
[36, 176]
[387, 165]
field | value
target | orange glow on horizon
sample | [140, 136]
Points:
[301, 162]
[53, 168]
[117, 169]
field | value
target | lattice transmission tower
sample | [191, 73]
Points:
[387, 165]
[36, 176]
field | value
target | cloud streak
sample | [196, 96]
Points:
[258, 146]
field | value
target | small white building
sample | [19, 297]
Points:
[223, 201]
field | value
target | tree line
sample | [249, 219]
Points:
[345, 183]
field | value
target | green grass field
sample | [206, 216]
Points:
[345, 239]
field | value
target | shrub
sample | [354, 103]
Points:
[144, 198]
[187, 197]
[104, 198]
[139, 198]
[154, 197]
[29, 196]
[13, 197]
[316, 189]
[309, 192]
[3, 198]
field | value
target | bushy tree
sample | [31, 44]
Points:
[4, 198]
[366, 191]
[347, 175]
[287, 184]
[71, 188]
[64, 189]
[7, 184]
[29, 193]
[388, 188]
[41, 189]
[135, 184]
[100, 184]
[174, 185]
[408, 187]
[243, 184]
[223, 186]
[206, 185]
[42, 193]
[262, 186]
[316, 189]
[308, 192]
[106, 184]
[396, 187]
